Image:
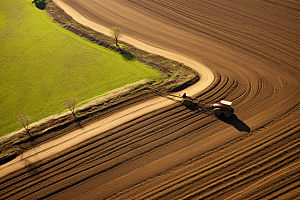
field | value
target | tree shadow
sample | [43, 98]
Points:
[126, 55]
[40, 4]
[235, 122]
[79, 124]
[32, 168]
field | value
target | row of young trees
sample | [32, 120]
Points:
[26, 120]
[71, 103]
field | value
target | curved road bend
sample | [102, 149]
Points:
[173, 152]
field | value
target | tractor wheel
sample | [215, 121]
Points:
[232, 110]
[186, 102]
[227, 113]
[217, 111]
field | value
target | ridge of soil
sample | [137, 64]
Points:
[176, 77]
[173, 152]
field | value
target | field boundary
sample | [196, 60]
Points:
[176, 76]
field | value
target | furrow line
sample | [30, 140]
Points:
[230, 159]
[76, 164]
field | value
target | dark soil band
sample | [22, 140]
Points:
[176, 76]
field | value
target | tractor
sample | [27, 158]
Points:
[198, 102]
[224, 107]
[188, 101]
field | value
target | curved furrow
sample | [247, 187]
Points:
[230, 182]
[208, 175]
[293, 7]
[218, 164]
[212, 183]
[246, 13]
[200, 175]
[234, 31]
[259, 39]
[285, 182]
[85, 159]
[119, 143]
[183, 153]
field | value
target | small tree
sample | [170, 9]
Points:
[116, 32]
[25, 120]
[71, 104]
[41, 4]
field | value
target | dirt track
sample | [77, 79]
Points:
[174, 152]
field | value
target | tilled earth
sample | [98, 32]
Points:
[185, 153]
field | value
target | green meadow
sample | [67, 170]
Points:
[42, 64]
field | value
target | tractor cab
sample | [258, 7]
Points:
[225, 104]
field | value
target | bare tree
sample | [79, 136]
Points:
[116, 32]
[71, 104]
[25, 120]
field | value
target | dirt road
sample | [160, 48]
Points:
[175, 152]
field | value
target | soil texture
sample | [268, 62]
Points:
[161, 149]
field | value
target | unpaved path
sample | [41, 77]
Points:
[175, 152]
[60, 144]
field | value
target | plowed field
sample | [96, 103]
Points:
[163, 150]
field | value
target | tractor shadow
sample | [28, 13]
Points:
[235, 122]
[192, 107]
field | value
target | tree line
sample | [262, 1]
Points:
[70, 104]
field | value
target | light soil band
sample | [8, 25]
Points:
[53, 147]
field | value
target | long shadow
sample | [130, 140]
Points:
[79, 124]
[33, 168]
[126, 55]
[192, 107]
[235, 122]
[40, 4]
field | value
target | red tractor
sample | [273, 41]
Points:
[223, 107]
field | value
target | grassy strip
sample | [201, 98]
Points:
[170, 69]
[43, 64]
[176, 76]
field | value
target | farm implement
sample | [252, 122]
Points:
[219, 108]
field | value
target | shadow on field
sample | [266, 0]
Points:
[32, 168]
[192, 107]
[40, 4]
[236, 122]
[126, 55]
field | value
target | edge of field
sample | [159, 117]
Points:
[176, 77]
[43, 64]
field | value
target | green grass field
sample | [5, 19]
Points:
[42, 64]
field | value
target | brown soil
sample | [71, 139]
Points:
[180, 153]
[176, 76]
